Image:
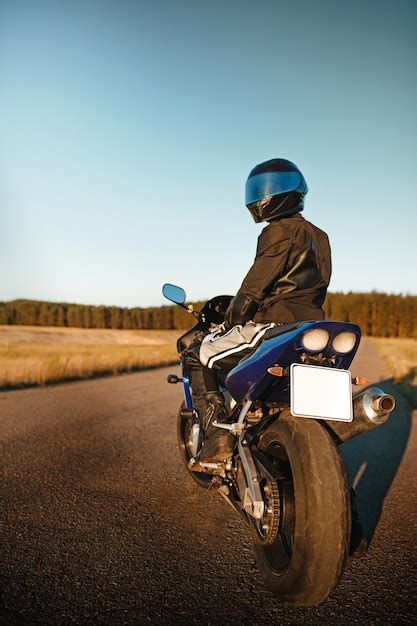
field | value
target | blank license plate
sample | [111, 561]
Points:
[321, 393]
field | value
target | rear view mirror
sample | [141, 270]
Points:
[174, 293]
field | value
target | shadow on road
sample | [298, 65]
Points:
[372, 460]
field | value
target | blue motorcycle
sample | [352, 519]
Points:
[290, 405]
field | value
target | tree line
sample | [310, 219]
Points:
[378, 314]
[40, 313]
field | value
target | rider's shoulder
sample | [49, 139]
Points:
[274, 230]
[272, 235]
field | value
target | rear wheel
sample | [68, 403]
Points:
[185, 422]
[302, 550]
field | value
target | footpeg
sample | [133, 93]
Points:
[198, 466]
[236, 429]
[195, 466]
[173, 379]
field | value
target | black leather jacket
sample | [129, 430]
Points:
[289, 277]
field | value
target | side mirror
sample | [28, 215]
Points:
[174, 293]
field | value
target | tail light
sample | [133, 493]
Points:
[315, 340]
[344, 342]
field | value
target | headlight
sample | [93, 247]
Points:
[315, 340]
[344, 342]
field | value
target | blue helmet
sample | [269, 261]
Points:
[275, 188]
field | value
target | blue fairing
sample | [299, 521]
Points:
[250, 379]
[187, 392]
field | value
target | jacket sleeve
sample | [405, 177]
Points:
[269, 264]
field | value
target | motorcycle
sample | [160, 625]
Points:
[290, 406]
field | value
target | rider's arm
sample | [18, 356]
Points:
[270, 261]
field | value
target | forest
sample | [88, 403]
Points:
[378, 314]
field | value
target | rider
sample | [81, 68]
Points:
[286, 283]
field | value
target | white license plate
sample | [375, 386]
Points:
[321, 393]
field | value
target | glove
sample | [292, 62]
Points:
[240, 310]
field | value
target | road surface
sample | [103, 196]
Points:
[100, 523]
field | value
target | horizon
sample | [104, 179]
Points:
[168, 303]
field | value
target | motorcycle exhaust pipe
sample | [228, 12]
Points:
[371, 408]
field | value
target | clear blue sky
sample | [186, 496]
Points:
[128, 130]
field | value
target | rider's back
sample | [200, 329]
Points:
[291, 272]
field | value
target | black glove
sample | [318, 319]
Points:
[241, 309]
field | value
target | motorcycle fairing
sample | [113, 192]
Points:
[187, 390]
[250, 378]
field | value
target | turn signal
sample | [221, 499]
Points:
[276, 371]
[359, 380]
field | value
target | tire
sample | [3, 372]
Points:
[307, 558]
[184, 422]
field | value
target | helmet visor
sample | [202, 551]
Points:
[269, 184]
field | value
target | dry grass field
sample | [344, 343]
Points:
[400, 355]
[34, 355]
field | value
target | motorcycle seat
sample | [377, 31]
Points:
[273, 332]
[281, 329]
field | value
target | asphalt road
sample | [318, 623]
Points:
[100, 523]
